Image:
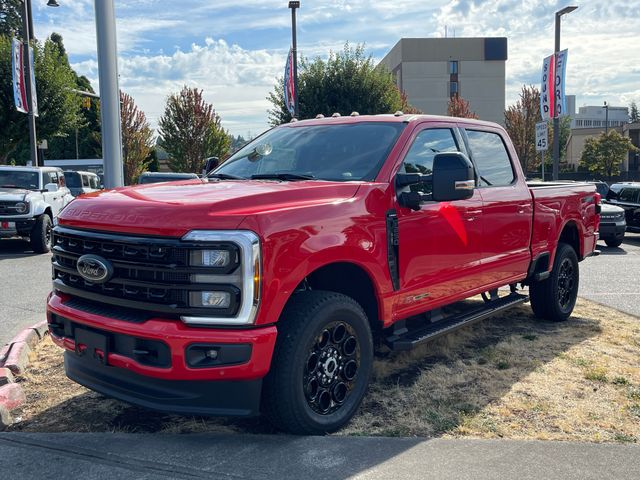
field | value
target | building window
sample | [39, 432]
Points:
[453, 89]
[453, 67]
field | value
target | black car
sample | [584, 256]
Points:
[627, 196]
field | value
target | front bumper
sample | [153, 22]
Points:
[147, 362]
[11, 227]
[612, 230]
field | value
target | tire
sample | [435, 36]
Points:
[40, 237]
[614, 242]
[554, 298]
[316, 382]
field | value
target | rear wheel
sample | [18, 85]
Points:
[554, 298]
[321, 365]
[41, 234]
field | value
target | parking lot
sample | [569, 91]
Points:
[610, 279]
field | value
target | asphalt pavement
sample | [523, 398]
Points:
[25, 279]
[125, 456]
[613, 278]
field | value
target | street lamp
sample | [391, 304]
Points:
[27, 36]
[606, 119]
[294, 5]
[556, 119]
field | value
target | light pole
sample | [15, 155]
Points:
[606, 118]
[109, 93]
[294, 5]
[556, 118]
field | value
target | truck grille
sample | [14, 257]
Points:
[149, 273]
[9, 208]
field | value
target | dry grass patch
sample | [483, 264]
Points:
[509, 377]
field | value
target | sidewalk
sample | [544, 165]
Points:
[126, 456]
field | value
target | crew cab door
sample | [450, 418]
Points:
[507, 206]
[55, 199]
[439, 244]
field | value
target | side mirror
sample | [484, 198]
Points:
[453, 177]
[210, 164]
[51, 187]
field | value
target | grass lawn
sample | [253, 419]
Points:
[507, 377]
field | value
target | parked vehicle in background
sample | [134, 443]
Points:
[602, 188]
[82, 182]
[30, 198]
[627, 196]
[612, 225]
[265, 286]
[162, 177]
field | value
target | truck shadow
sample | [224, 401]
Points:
[429, 391]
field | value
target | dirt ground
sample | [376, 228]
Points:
[508, 377]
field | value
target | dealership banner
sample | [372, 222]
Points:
[19, 85]
[34, 99]
[289, 85]
[553, 102]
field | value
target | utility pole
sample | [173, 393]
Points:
[606, 121]
[294, 5]
[556, 118]
[27, 36]
[109, 93]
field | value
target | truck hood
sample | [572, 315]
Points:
[13, 194]
[173, 209]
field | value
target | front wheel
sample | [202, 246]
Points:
[41, 234]
[554, 298]
[321, 365]
[613, 242]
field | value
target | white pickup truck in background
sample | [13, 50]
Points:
[30, 198]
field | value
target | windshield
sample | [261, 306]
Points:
[327, 152]
[72, 179]
[19, 179]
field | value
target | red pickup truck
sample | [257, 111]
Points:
[266, 286]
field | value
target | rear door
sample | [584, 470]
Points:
[55, 199]
[507, 206]
[439, 244]
[628, 198]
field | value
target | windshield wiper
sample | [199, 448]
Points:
[282, 176]
[225, 176]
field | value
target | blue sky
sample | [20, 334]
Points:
[234, 50]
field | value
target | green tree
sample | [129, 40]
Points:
[58, 107]
[520, 121]
[604, 154]
[459, 107]
[346, 82]
[191, 130]
[10, 18]
[634, 116]
[137, 139]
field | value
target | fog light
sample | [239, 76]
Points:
[210, 299]
[210, 258]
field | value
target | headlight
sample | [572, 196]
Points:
[210, 258]
[234, 260]
[22, 207]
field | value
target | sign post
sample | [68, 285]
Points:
[542, 141]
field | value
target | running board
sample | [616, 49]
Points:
[432, 331]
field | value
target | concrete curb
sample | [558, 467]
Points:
[14, 358]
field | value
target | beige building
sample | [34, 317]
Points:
[578, 136]
[432, 70]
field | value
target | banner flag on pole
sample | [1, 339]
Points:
[34, 95]
[289, 84]
[19, 84]
[553, 102]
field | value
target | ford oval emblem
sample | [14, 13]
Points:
[94, 269]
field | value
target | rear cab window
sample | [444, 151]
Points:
[491, 157]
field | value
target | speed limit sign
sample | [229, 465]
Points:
[542, 137]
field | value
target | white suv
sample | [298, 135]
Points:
[30, 198]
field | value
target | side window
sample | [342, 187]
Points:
[85, 181]
[491, 158]
[428, 143]
[51, 177]
[629, 195]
